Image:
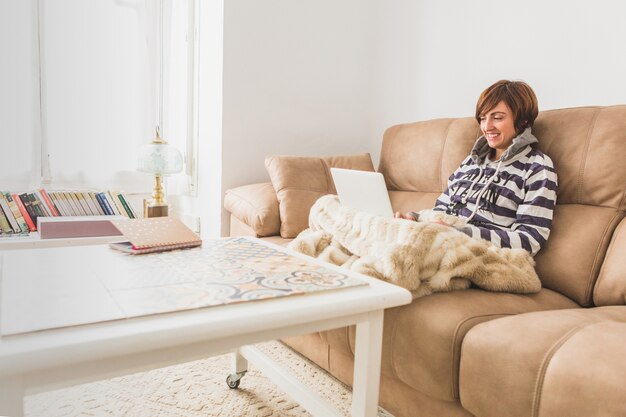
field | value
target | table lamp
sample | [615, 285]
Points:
[158, 158]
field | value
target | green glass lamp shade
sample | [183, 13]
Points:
[159, 158]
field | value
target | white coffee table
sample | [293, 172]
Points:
[36, 361]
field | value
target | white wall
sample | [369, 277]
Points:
[297, 77]
[210, 73]
[437, 56]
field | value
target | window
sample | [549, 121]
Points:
[84, 82]
[20, 147]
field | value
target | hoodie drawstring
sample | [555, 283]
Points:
[482, 192]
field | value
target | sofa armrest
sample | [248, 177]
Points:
[255, 205]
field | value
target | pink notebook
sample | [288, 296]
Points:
[155, 234]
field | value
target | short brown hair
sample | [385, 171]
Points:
[518, 95]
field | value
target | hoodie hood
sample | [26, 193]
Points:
[481, 148]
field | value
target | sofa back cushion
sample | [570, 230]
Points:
[611, 286]
[299, 181]
[421, 156]
[588, 147]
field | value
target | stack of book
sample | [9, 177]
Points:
[19, 211]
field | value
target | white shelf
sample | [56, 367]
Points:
[33, 241]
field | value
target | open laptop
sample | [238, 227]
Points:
[362, 190]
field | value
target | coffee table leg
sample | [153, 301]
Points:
[368, 349]
[12, 397]
[239, 368]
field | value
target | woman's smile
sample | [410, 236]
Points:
[493, 138]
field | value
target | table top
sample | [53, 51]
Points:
[89, 299]
[52, 288]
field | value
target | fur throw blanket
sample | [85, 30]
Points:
[423, 257]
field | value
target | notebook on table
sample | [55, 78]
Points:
[362, 191]
[155, 234]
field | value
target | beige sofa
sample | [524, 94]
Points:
[560, 352]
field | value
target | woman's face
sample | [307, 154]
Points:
[498, 127]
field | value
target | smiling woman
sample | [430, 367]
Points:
[505, 190]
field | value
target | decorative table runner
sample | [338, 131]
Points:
[119, 286]
[222, 272]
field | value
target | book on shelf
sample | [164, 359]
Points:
[88, 204]
[118, 203]
[45, 210]
[156, 234]
[126, 206]
[38, 205]
[48, 202]
[62, 198]
[137, 213]
[105, 204]
[5, 227]
[112, 203]
[96, 204]
[8, 214]
[70, 204]
[93, 205]
[80, 203]
[16, 213]
[20, 204]
[58, 203]
[19, 212]
[32, 210]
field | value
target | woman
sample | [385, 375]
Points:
[506, 188]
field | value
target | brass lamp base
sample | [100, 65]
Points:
[155, 210]
[157, 207]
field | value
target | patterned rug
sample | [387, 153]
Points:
[193, 389]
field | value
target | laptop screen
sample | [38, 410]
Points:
[362, 191]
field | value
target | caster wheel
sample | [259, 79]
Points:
[232, 384]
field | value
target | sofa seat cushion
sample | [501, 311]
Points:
[422, 341]
[277, 240]
[567, 363]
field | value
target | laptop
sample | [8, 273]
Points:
[362, 191]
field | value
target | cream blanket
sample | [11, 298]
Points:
[423, 257]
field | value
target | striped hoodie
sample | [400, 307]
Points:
[508, 202]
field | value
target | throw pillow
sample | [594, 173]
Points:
[299, 181]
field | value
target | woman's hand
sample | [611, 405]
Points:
[405, 216]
